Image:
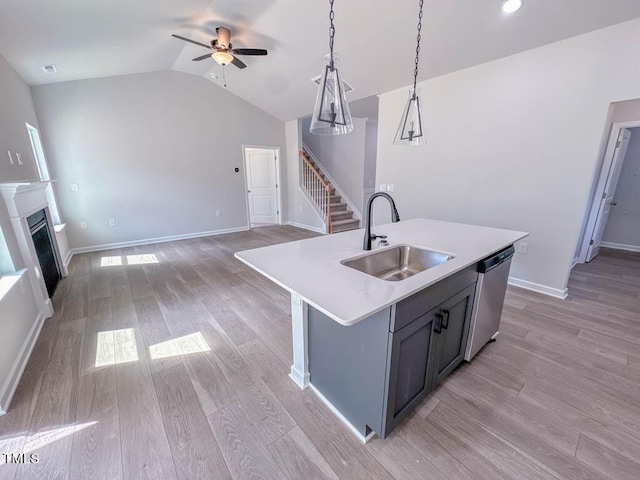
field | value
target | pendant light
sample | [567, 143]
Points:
[331, 115]
[410, 128]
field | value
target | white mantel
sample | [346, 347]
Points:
[24, 199]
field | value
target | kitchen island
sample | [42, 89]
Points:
[366, 345]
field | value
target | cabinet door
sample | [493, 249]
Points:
[411, 350]
[451, 332]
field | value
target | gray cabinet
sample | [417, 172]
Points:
[409, 379]
[451, 332]
[376, 371]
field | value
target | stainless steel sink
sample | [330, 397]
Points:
[397, 263]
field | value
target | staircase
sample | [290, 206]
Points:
[328, 203]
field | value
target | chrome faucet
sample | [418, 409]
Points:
[394, 218]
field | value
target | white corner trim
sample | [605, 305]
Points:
[356, 211]
[364, 439]
[147, 241]
[575, 262]
[9, 387]
[621, 246]
[306, 227]
[536, 287]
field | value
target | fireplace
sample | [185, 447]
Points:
[43, 243]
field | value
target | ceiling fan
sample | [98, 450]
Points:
[223, 51]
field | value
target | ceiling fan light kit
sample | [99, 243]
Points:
[222, 58]
[410, 129]
[331, 115]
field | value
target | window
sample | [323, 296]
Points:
[43, 171]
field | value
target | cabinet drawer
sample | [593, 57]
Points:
[420, 303]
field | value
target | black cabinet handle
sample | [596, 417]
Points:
[445, 321]
[438, 326]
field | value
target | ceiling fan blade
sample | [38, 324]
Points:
[238, 63]
[249, 51]
[191, 41]
[203, 57]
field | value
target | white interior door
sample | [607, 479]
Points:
[609, 191]
[262, 185]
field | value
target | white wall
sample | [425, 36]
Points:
[623, 226]
[342, 156]
[514, 144]
[298, 210]
[19, 324]
[155, 152]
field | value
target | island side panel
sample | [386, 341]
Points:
[300, 333]
[348, 365]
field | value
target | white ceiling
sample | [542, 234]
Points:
[375, 39]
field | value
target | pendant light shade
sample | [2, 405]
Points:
[331, 115]
[410, 128]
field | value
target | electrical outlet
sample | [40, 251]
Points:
[74, 187]
[383, 187]
[390, 187]
[300, 208]
[112, 223]
[218, 213]
[10, 157]
[83, 225]
[523, 248]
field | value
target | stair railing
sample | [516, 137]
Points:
[316, 187]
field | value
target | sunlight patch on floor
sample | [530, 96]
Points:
[41, 439]
[193, 343]
[142, 259]
[116, 346]
[117, 261]
[110, 261]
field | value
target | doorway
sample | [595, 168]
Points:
[614, 219]
[262, 179]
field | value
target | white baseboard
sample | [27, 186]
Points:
[621, 246]
[536, 287]
[306, 227]
[364, 439]
[9, 387]
[147, 241]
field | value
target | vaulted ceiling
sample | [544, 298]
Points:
[375, 39]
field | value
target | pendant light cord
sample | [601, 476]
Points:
[415, 71]
[332, 32]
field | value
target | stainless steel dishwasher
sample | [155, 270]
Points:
[487, 309]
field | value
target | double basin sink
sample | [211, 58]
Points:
[397, 263]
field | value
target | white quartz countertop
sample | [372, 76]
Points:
[311, 268]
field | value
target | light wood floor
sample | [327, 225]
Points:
[558, 396]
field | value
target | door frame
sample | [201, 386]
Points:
[605, 170]
[278, 180]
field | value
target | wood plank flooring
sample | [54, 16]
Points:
[170, 361]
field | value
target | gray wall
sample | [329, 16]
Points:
[623, 226]
[514, 143]
[16, 108]
[156, 152]
[342, 156]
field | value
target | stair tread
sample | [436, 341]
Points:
[345, 222]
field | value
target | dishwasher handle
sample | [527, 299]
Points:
[493, 261]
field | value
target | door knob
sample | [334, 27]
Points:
[613, 204]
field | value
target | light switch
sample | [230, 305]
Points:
[390, 187]
[10, 157]
[383, 187]
[19, 157]
[74, 187]
[83, 225]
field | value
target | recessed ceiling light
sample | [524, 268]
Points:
[49, 68]
[511, 6]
